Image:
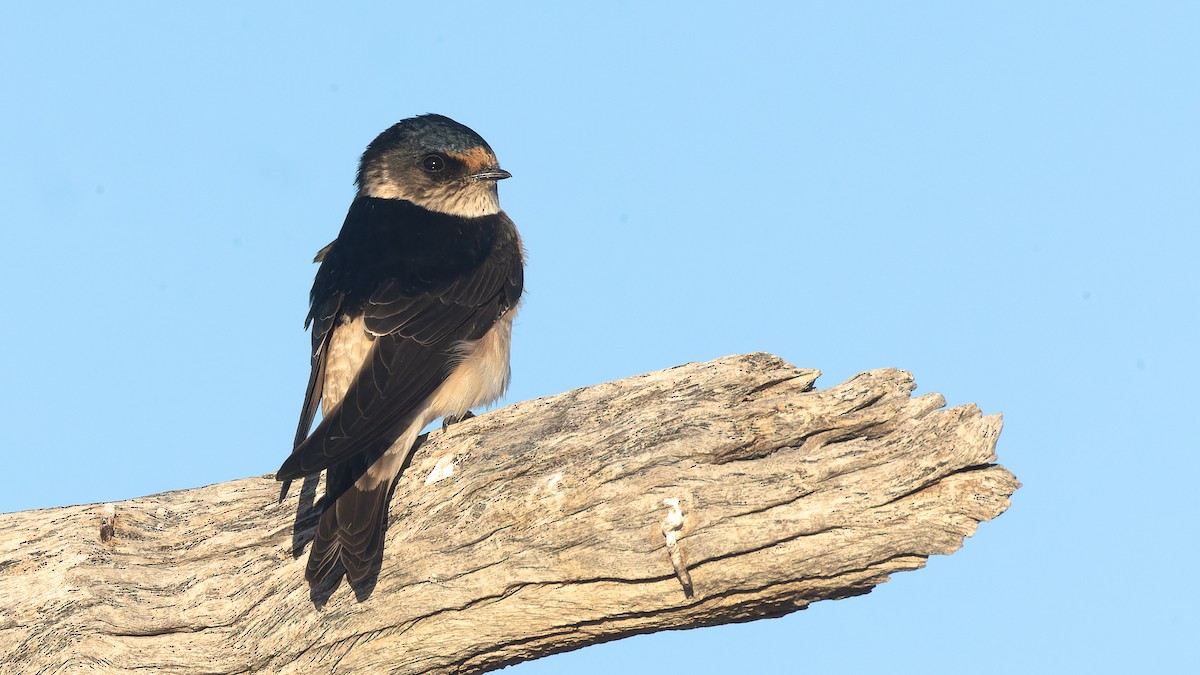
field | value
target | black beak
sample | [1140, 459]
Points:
[492, 174]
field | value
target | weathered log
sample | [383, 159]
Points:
[698, 495]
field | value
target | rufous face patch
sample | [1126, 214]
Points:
[476, 159]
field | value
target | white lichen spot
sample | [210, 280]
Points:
[442, 470]
[108, 522]
[673, 523]
[672, 526]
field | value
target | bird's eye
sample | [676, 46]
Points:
[433, 163]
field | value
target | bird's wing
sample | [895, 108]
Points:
[415, 329]
[321, 318]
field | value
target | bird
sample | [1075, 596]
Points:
[411, 313]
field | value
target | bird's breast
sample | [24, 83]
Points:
[480, 372]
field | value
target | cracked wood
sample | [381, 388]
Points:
[538, 528]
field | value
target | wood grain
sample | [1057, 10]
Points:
[537, 528]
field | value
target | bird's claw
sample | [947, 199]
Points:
[455, 419]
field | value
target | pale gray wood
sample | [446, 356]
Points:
[540, 527]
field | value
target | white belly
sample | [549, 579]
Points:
[480, 376]
[481, 372]
[480, 368]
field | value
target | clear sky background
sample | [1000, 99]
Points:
[1001, 198]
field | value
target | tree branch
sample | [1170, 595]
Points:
[698, 495]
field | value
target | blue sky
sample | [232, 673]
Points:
[1000, 198]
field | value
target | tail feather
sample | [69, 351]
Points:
[350, 531]
[351, 527]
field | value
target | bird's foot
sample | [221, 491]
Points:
[455, 419]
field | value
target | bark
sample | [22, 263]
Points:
[698, 495]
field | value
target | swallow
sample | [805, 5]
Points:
[411, 315]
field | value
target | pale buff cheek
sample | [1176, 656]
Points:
[473, 199]
[476, 200]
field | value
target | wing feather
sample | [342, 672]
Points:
[417, 315]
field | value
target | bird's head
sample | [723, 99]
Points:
[435, 163]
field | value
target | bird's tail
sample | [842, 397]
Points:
[350, 531]
[351, 527]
